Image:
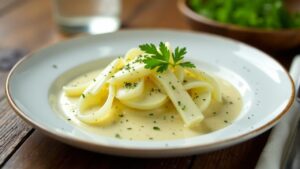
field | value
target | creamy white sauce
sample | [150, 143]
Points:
[160, 124]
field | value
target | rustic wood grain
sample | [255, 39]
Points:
[13, 129]
[41, 152]
[30, 25]
[244, 155]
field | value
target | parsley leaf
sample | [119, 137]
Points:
[178, 54]
[160, 57]
[187, 64]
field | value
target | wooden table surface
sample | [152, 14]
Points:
[27, 25]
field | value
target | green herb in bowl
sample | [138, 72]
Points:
[268, 14]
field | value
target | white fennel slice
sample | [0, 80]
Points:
[200, 92]
[179, 73]
[97, 90]
[202, 98]
[151, 98]
[130, 92]
[182, 101]
[132, 54]
[197, 84]
[216, 92]
[75, 91]
[104, 115]
[130, 72]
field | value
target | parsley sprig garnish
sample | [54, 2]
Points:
[160, 58]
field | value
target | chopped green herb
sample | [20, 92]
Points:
[54, 66]
[156, 128]
[117, 135]
[83, 95]
[129, 85]
[129, 128]
[173, 87]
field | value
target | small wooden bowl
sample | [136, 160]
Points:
[268, 40]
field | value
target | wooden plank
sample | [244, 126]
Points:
[19, 30]
[7, 5]
[36, 149]
[28, 26]
[244, 155]
[41, 152]
[13, 129]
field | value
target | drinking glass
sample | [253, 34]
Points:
[90, 16]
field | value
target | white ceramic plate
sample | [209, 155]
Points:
[266, 88]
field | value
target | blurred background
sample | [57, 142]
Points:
[31, 24]
[28, 25]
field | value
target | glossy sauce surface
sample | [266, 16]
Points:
[163, 123]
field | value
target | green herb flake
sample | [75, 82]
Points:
[156, 128]
[179, 103]
[129, 85]
[173, 87]
[117, 135]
